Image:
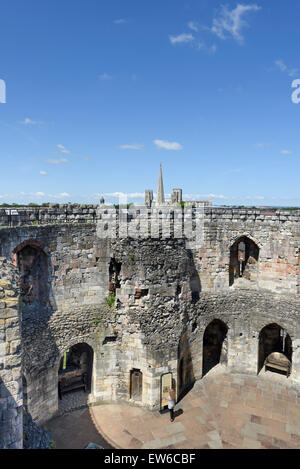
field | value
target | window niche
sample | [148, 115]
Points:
[114, 272]
[274, 343]
[244, 255]
[32, 263]
[215, 345]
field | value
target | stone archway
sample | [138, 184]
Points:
[273, 338]
[214, 345]
[75, 372]
[244, 255]
[32, 262]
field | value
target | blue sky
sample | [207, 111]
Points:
[99, 92]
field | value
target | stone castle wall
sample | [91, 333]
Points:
[11, 398]
[168, 291]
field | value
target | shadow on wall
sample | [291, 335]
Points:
[185, 370]
[37, 306]
[11, 431]
[215, 345]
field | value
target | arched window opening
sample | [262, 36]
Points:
[244, 254]
[275, 349]
[75, 369]
[214, 345]
[33, 267]
[114, 272]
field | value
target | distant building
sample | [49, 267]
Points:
[176, 197]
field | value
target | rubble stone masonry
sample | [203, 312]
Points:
[167, 291]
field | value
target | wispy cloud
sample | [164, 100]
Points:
[105, 77]
[226, 23]
[262, 145]
[232, 171]
[62, 149]
[168, 145]
[37, 194]
[195, 197]
[43, 173]
[193, 26]
[28, 121]
[56, 160]
[120, 21]
[62, 195]
[280, 65]
[231, 22]
[286, 152]
[123, 195]
[132, 146]
[181, 38]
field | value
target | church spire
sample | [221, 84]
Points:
[160, 196]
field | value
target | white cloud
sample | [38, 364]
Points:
[62, 149]
[43, 173]
[121, 21]
[281, 65]
[56, 160]
[62, 195]
[105, 76]
[196, 197]
[286, 152]
[232, 171]
[181, 38]
[124, 195]
[255, 197]
[262, 145]
[39, 194]
[193, 26]
[292, 72]
[213, 49]
[231, 21]
[168, 145]
[28, 121]
[133, 146]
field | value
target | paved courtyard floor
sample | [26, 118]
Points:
[222, 411]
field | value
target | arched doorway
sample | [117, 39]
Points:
[75, 370]
[136, 385]
[244, 254]
[214, 345]
[273, 338]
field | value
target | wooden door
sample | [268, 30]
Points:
[166, 384]
[136, 385]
